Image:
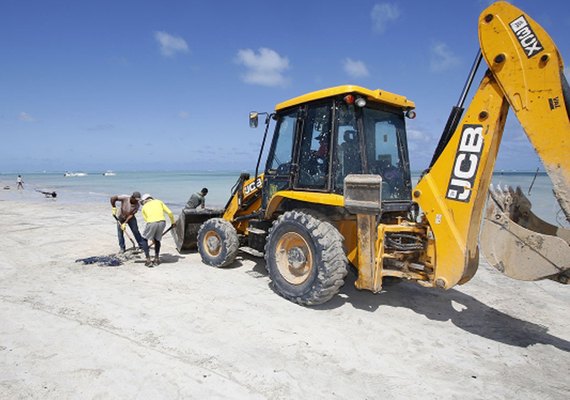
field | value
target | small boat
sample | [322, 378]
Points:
[67, 174]
[109, 173]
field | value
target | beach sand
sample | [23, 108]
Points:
[185, 330]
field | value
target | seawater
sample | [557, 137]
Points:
[174, 188]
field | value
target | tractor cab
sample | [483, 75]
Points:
[323, 136]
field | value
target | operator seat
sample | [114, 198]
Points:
[351, 159]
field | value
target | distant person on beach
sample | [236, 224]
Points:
[153, 211]
[129, 207]
[49, 195]
[20, 182]
[197, 199]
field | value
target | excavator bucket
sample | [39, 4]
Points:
[188, 224]
[521, 245]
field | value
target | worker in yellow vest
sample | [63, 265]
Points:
[153, 213]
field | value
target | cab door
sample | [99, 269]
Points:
[314, 155]
[280, 165]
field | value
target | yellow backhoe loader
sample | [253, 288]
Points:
[336, 188]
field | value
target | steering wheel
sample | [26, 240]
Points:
[284, 168]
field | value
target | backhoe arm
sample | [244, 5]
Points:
[529, 69]
[453, 193]
[525, 73]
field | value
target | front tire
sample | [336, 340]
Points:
[305, 258]
[217, 242]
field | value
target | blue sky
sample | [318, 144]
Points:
[167, 85]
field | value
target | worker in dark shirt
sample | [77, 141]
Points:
[125, 216]
[197, 199]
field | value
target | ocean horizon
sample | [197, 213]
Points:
[175, 187]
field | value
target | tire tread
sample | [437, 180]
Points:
[230, 242]
[334, 265]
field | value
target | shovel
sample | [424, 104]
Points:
[125, 231]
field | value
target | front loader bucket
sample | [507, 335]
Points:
[186, 231]
[521, 245]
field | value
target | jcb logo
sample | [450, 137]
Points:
[466, 163]
[252, 186]
[527, 39]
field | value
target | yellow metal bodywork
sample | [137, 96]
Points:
[529, 83]
[380, 96]
[369, 277]
[324, 199]
[455, 224]
[348, 230]
[532, 86]
[236, 207]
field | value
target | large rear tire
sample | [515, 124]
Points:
[217, 242]
[305, 258]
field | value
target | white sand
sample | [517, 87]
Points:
[185, 330]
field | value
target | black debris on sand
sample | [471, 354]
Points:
[103, 261]
[112, 260]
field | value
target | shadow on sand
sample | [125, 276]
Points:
[462, 310]
[165, 258]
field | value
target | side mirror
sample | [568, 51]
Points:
[253, 119]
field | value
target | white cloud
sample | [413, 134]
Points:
[420, 145]
[355, 68]
[442, 58]
[418, 136]
[183, 114]
[382, 14]
[567, 73]
[264, 68]
[170, 44]
[24, 116]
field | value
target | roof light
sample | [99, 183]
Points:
[349, 99]
[360, 102]
[411, 114]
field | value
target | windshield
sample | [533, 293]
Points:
[386, 153]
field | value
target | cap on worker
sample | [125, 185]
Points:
[136, 195]
[146, 196]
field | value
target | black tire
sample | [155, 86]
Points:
[217, 242]
[305, 259]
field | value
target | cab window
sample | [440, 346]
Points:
[279, 161]
[314, 147]
[385, 151]
[347, 159]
